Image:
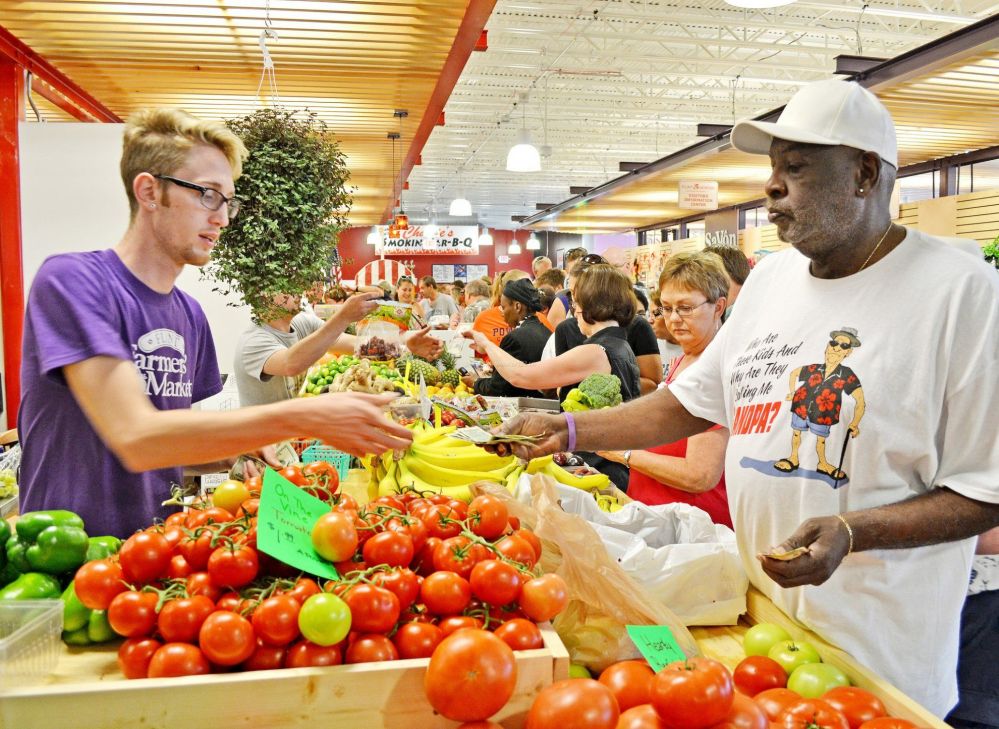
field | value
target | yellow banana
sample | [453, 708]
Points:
[428, 435]
[512, 478]
[387, 484]
[539, 464]
[464, 459]
[406, 478]
[443, 476]
[587, 483]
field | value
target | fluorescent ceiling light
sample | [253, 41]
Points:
[460, 207]
[523, 156]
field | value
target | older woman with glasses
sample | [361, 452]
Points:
[692, 296]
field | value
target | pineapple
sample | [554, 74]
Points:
[431, 375]
[450, 375]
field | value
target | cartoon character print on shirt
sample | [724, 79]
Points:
[816, 393]
[164, 372]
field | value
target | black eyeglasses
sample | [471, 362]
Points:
[210, 197]
[841, 345]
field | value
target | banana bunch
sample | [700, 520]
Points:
[595, 483]
[435, 462]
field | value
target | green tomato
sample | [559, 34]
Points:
[759, 639]
[324, 619]
[578, 670]
[791, 654]
[812, 680]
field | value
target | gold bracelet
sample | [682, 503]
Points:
[849, 531]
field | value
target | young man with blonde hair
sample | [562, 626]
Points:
[114, 354]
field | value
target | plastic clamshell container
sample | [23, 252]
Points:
[29, 640]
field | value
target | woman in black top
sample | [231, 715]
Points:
[604, 304]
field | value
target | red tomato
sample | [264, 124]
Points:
[233, 566]
[344, 502]
[305, 587]
[442, 521]
[813, 714]
[392, 548]
[496, 582]
[455, 554]
[471, 676]
[417, 640]
[518, 549]
[200, 583]
[264, 658]
[373, 609]
[334, 536]
[544, 597]
[204, 517]
[179, 568]
[531, 538]
[423, 563]
[132, 614]
[454, 623]
[275, 620]
[324, 480]
[630, 682]
[758, 673]
[294, 474]
[774, 701]
[144, 557]
[230, 601]
[180, 620]
[487, 516]
[574, 703]
[744, 714]
[177, 518]
[445, 593]
[305, 653]
[97, 582]
[692, 694]
[888, 722]
[480, 725]
[196, 549]
[640, 717]
[403, 583]
[226, 638]
[371, 649]
[857, 705]
[520, 634]
[134, 656]
[178, 659]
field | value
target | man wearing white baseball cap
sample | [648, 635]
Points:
[874, 553]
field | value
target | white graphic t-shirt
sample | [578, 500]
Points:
[903, 356]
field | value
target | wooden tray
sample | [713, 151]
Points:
[725, 645]
[88, 692]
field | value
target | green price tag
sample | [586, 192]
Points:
[656, 644]
[284, 525]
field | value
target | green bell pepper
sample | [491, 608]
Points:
[48, 541]
[74, 613]
[102, 547]
[8, 574]
[98, 628]
[80, 624]
[32, 586]
[4, 536]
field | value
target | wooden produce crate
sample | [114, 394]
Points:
[87, 691]
[725, 645]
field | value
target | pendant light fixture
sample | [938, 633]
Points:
[523, 156]
[485, 239]
[460, 207]
[401, 221]
[533, 243]
[514, 248]
[373, 236]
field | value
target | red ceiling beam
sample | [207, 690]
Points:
[23, 56]
[469, 33]
[11, 277]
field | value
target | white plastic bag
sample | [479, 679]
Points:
[682, 559]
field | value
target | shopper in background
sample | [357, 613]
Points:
[691, 470]
[491, 322]
[520, 304]
[273, 356]
[896, 539]
[433, 301]
[554, 277]
[563, 303]
[638, 333]
[539, 265]
[114, 354]
[546, 294]
[476, 300]
[736, 268]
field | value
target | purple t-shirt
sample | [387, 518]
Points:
[84, 305]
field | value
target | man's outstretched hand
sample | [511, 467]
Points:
[552, 429]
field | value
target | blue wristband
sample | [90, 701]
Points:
[572, 431]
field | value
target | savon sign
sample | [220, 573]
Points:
[418, 240]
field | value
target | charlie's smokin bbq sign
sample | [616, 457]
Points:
[421, 240]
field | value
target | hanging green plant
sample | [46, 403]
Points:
[991, 252]
[295, 202]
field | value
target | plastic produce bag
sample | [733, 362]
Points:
[603, 599]
[683, 559]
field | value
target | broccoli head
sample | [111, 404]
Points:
[595, 392]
